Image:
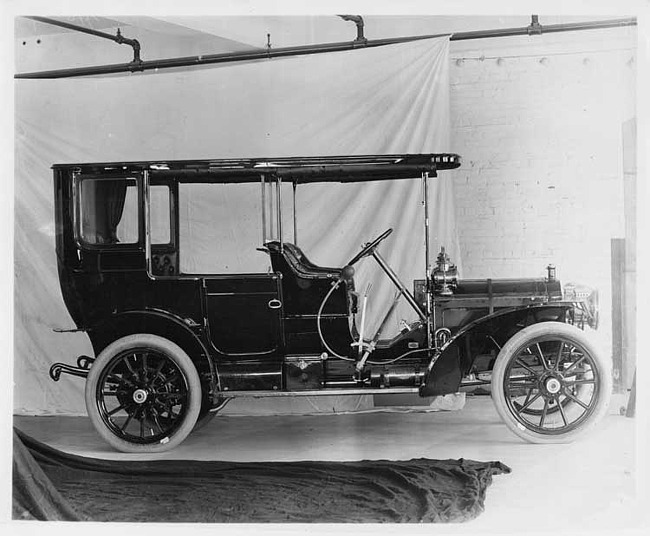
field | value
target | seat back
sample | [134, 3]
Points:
[290, 258]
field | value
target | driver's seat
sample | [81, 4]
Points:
[304, 284]
[295, 259]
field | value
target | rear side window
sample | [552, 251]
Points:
[108, 211]
[160, 214]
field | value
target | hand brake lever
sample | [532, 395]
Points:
[362, 362]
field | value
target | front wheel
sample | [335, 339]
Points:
[143, 394]
[550, 384]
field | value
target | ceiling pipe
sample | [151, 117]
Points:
[119, 38]
[318, 49]
[358, 20]
[534, 28]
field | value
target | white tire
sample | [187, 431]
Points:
[550, 384]
[143, 394]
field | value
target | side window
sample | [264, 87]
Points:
[219, 228]
[108, 211]
[160, 214]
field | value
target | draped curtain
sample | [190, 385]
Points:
[102, 204]
[391, 99]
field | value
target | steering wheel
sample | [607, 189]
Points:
[367, 249]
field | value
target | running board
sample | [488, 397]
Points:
[322, 392]
[338, 392]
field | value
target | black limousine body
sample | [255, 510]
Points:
[172, 348]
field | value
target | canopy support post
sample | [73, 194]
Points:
[263, 208]
[147, 220]
[278, 201]
[295, 223]
[428, 290]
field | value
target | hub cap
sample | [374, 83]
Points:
[553, 386]
[139, 396]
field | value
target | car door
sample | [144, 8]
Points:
[244, 314]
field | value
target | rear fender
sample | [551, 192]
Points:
[455, 358]
[157, 322]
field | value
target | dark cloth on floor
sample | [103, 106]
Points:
[419, 490]
[34, 495]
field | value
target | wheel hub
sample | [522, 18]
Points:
[553, 385]
[139, 396]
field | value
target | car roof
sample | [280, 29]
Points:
[291, 169]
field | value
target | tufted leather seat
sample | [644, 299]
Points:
[295, 259]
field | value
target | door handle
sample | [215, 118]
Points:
[275, 304]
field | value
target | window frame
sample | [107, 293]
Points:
[171, 212]
[81, 242]
[182, 252]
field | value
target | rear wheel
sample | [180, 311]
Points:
[550, 384]
[143, 394]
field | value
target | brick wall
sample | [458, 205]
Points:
[538, 121]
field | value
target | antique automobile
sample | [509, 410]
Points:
[172, 347]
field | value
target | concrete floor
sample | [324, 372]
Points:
[586, 485]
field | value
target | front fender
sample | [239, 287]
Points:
[455, 358]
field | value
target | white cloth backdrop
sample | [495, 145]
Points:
[392, 99]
